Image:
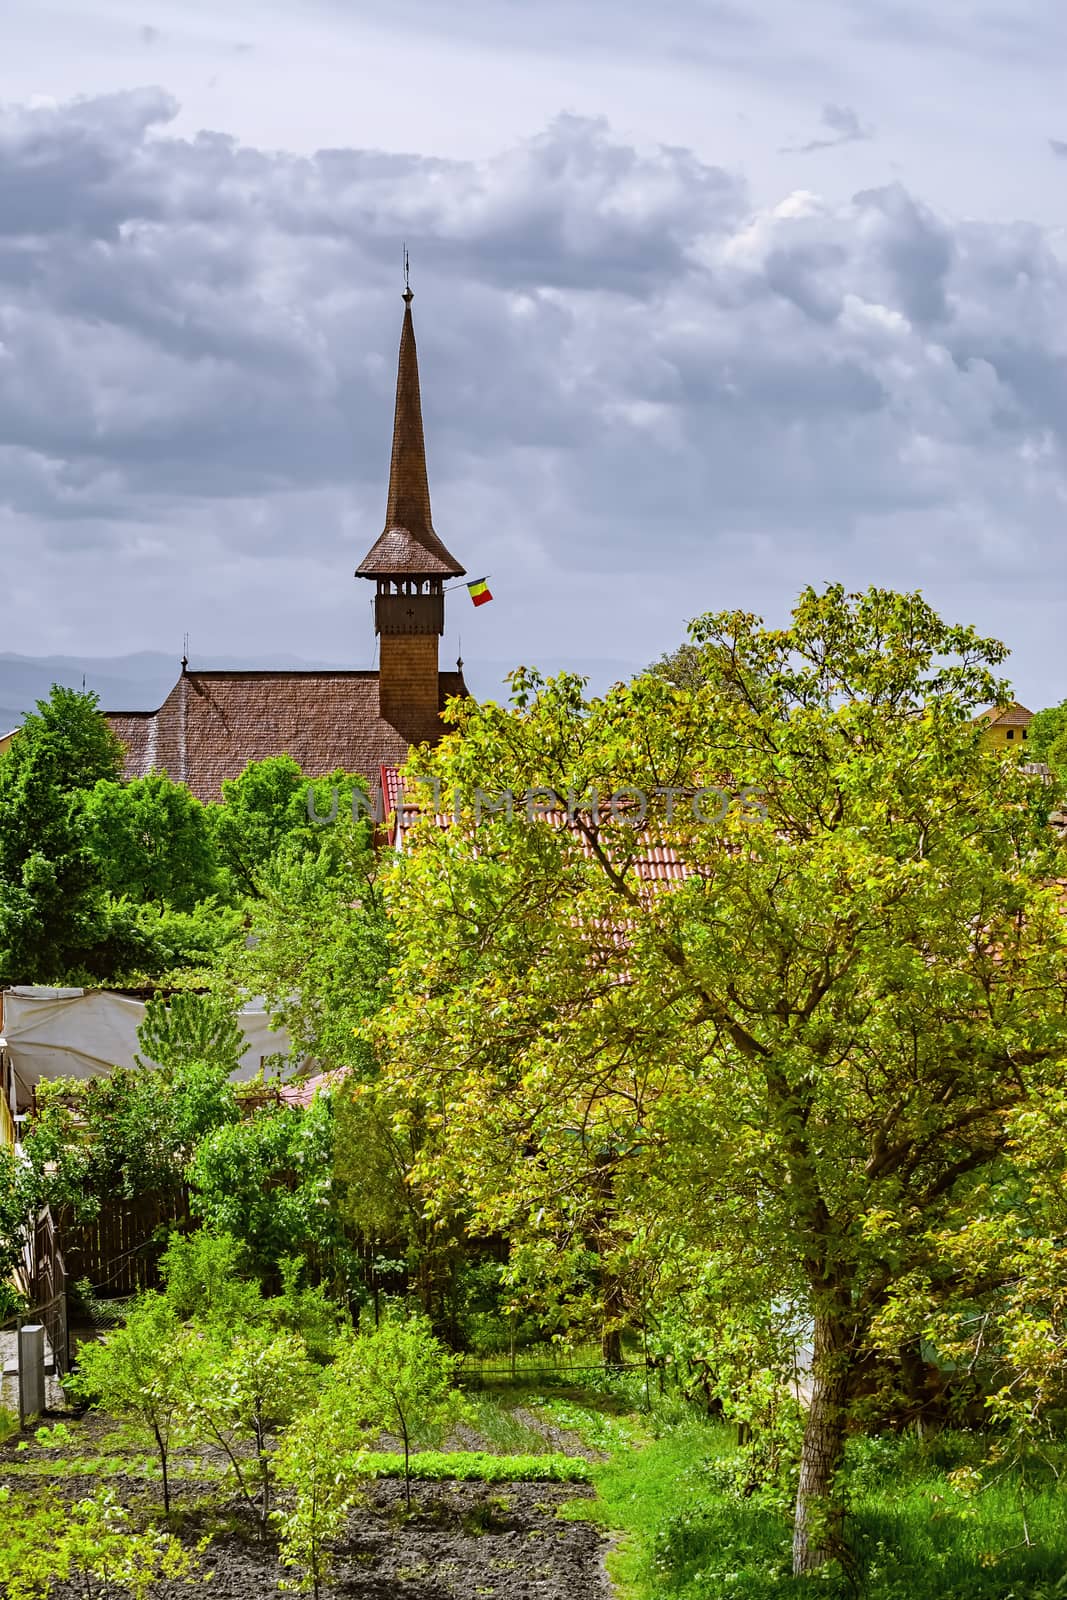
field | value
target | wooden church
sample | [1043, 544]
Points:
[212, 724]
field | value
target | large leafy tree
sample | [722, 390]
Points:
[268, 1180]
[320, 951]
[1046, 739]
[55, 919]
[804, 1058]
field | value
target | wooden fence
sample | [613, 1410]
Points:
[41, 1277]
[119, 1251]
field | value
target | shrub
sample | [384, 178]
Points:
[92, 1543]
[305, 1309]
[142, 1372]
[401, 1375]
[205, 1276]
[240, 1393]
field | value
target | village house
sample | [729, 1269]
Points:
[1005, 726]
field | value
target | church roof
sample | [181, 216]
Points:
[212, 724]
[408, 544]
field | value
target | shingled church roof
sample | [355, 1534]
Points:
[213, 723]
[408, 544]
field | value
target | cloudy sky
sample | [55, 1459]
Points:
[714, 298]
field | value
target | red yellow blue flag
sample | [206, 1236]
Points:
[479, 591]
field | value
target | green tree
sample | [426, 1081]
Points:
[268, 1180]
[141, 1372]
[133, 1130]
[152, 839]
[69, 739]
[265, 819]
[1045, 729]
[809, 1049]
[683, 667]
[401, 1378]
[192, 1029]
[378, 1195]
[320, 1463]
[247, 1388]
[320, 952]
[55, 921]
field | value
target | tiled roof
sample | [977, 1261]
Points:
[212, 724]
[654, 862]
[302, 1094]
[399, 553]
[1013, 716]
[408, 543]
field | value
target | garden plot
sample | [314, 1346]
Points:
[460, 1539]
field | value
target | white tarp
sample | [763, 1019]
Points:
[79, 1033]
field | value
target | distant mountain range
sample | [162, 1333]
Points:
[142, 681]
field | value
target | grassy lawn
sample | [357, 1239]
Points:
[922, 1523]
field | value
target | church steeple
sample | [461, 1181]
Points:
[408, 545]
[409, 564]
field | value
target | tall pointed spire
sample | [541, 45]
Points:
[408, 544]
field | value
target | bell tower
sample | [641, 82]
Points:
[409, 565]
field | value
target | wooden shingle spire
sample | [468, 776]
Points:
[408, 545]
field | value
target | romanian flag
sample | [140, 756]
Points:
[479, 591]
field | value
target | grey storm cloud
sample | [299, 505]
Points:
[620, 354]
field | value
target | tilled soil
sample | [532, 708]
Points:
[461, 1541]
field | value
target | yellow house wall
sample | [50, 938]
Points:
[996, 738]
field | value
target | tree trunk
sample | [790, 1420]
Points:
[163, 1464]
[612, 1314]
[260, 1436]
[611, 1347]
[818, 1527]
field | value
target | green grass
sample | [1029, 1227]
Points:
[917, 1533]
[639, 1491]
[478, 1466]
[598, 1429]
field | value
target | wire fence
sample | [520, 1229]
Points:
[538, 1364]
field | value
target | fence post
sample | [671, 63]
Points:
[31, 1370]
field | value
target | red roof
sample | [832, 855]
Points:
[654, 862]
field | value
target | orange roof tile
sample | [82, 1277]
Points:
[1011, 716]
